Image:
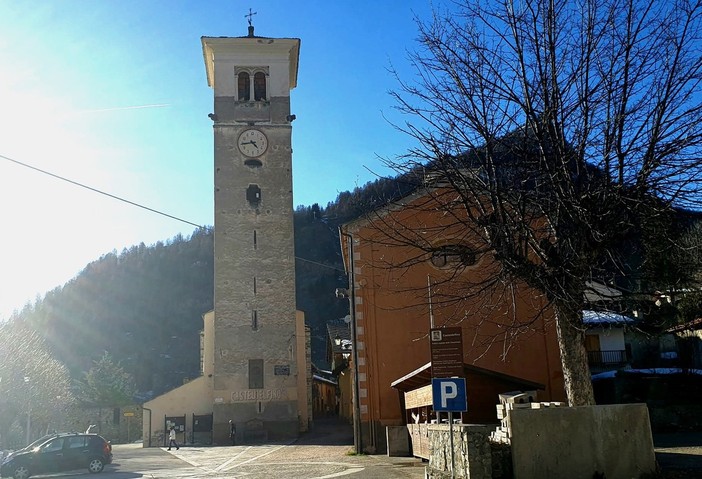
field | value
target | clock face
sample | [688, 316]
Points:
[252, 143]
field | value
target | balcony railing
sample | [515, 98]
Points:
[606, 358]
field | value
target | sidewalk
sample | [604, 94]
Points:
[331, 439]
[678, 454]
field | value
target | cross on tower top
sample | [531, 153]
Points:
[250, 15]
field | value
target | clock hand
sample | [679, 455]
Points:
[248, 143]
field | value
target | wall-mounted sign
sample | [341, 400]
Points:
[258, 395]
[282, 370]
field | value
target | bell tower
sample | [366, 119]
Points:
[254, 369]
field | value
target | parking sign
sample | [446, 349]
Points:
[449, 394]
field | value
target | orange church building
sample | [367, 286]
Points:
[409, 264]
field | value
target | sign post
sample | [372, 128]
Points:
[449, 394]
[128, 415]
[448, 384]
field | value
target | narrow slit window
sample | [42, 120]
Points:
[244, 86]
[255, 373]
[254, 285]
[255, 240]
[254, 320]
[259, 86]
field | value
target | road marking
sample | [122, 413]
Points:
[250, 462]
[222, 467]
[349, 468]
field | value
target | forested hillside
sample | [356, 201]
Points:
[144, 305]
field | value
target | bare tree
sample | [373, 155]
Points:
[34, 387]
[558, 133]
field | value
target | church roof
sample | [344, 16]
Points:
[422, 376]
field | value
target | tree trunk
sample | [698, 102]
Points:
[576, 371]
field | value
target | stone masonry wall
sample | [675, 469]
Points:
[472, 454]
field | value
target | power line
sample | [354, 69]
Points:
[137, 204]
[100, 191]
[320, 264]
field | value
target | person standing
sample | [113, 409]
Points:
[172, 439]
[232, 432]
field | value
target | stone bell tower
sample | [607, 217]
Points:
[254, 370]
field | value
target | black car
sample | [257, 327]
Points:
[62, 452]
[30, 446]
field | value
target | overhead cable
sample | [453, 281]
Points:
[100, 191]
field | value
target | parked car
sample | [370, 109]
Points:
[29, 446]
[60, 452]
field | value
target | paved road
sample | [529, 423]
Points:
[325, 453]
[256, 462]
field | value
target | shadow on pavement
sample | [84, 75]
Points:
[679, 455]
[327, 431]
[675, 461]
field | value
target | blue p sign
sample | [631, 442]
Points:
[449, 394]
[447, 390]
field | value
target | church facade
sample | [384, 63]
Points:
[255, 371]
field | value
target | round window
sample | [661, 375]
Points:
[453, 255]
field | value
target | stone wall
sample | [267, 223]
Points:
[472, 454]
[613, 441]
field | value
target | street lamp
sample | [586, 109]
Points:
[27, 380]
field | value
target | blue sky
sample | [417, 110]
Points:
[113, 94]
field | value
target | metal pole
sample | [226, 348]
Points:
[29, 424]
[453, 454]
[431, 309]
[27, 380]
[357, 432]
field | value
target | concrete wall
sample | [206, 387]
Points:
[194, 397]
[578, 442]
[398, 440]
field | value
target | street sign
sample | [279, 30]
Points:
[446, 352]
[449, 394]
[128, 414]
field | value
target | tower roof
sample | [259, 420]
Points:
[250, 48]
